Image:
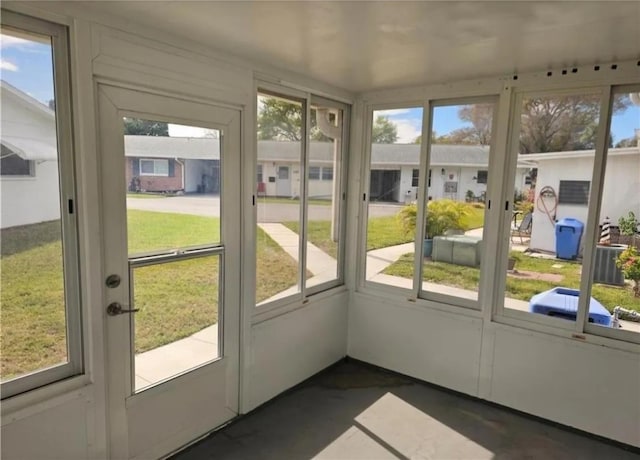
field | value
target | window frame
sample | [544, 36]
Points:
[307, 99]
[155, 161]
[59, 35]
[504, 315]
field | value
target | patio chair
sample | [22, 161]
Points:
[523, 229]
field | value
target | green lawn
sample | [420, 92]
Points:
[318, 233]
[521, 289]
[175, 299]
[146, 195]
[277, 200]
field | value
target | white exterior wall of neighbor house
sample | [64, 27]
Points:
[622, 181]
[29, 200]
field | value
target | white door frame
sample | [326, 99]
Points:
[158, 420]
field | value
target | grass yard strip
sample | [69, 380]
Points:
[146, 196]
[318, 233]
[383, 232]
[276, 200]
[516, 288]
[176, 299]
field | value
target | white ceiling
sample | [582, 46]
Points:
[361, 46]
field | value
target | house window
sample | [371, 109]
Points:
[259, 174]
[39, 299]
[574, 192]
[314, 172]
[482, 177]
[154, 167]
[12, 165]
[327, 173]
[415, 178]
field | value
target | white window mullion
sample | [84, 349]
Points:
[304, 192]
[597, 184]
[423, 188]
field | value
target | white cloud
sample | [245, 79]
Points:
[6, 65]
[408, 130]
[392, 112]
[9, 41]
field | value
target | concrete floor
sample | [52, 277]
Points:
[354, 411]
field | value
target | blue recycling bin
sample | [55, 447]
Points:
[563, 303]
[568, 235]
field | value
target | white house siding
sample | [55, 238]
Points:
[29, 200]
[620, 194]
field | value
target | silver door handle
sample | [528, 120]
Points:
[115, 308]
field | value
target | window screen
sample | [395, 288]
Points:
[574, 192]
[482, 177]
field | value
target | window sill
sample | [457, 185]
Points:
[270, 311]
[43, 398]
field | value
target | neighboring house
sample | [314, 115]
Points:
[454, 170]
[28, 160]
[171, 164]
[569, 175]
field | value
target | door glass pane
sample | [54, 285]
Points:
[173, 206]
[173, 186]
[176, 328]
[278, 198]
[395, 152]
[32, 287]
[616, 271]
[551, 199]
[457, 188]
[323, 207]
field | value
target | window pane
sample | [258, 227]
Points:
[278, 216]
[454, 240]
[617, 256]
[314, 172]
[395, 153]
[323, 210]
[181, 208]
[556, 152]
[177, 324]
[32, 290]
[146, 166]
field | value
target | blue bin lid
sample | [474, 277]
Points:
[565, 300]
[569, 222]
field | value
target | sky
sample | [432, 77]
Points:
[27, 65]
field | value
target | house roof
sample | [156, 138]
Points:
[320, 152]
[538, 157]
[31, 147]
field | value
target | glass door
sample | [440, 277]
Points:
[171, 270]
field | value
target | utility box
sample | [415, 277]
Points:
[568, 235]
[563, 303]
[605, 270]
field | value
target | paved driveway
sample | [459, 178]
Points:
[209, 205]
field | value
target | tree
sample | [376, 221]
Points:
[547, 124]
[138, 127]
[383, 131]
[629, 142]
[279, 120]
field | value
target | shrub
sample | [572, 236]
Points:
[629, 263]
[628, 225]
[442, 215]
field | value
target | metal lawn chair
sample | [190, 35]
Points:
[523, 228]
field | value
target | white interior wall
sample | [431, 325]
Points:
[100, 51]
[462, 350]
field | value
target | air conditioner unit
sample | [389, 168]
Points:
[605, 270]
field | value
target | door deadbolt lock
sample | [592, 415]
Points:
[112, 281]
[115, 308]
